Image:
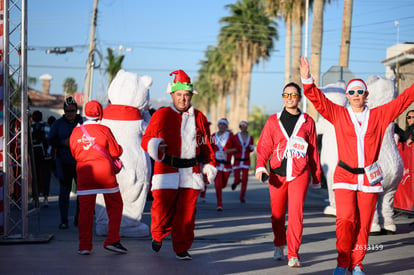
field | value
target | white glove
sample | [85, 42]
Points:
[211, 172]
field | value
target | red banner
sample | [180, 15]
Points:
[404, 197]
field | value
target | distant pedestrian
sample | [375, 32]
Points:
[223, 148]
[65, 163]
[244, 145]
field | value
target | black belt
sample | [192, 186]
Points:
[177, 162]
[243, 159]
[350, 169]
[223, 161]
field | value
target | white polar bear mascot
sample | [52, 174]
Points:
[127, 116]
[329, 152]
[382, 90]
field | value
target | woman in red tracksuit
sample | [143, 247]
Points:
[243, 143]
[223, 148]
[357, 179]
[96, 175]
[289, 140]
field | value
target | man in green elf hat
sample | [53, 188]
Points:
[178, 139]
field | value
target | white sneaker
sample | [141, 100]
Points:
[278, 255]
[294, 262]
[330, 211]
[357, 271]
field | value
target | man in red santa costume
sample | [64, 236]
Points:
[243, 143]
[357, 177]
[96, 176]
[223, 147]
[178, 139]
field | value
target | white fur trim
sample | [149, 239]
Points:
[355, 83]
[188, 133]
[260, 169]
[307, 80]
[153, 146]
[98, 191]
[211, 172]
[183, 179]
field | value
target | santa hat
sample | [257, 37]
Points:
[181, 82]
[243, 124]
[93, 110]
[356, 82]
[224, 121]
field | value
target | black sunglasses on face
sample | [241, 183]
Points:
[352, 92]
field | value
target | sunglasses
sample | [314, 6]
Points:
[352, 92]
[410, 117]
[292, 95]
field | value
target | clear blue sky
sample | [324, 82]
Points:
[169, 35]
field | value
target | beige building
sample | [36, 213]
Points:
[400, 64]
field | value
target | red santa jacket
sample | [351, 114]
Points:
[300, 149]
[242, 155]
[358, 145]
[187, 136]
[221, 143]
[94, 171]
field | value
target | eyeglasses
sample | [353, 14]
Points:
[352, 92]
[410, 117]
[292, 95]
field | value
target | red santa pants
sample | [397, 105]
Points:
[354, 213]
[114, 205]
[173, 211]
[294, 193]
[220, 183]
[244, 178]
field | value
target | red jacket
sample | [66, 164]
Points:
[358, 145]
[242, 155]
[94, 171]
[275, 143]
[187, 136]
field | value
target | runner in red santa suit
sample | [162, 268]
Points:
[357, 177]
[289, 141]
[96, 176]
[178, 139]
[223, 148]
[243, 143]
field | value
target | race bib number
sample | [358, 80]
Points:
[374, 173]
[220, 155]
[298, 146]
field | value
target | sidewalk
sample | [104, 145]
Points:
[235, 241]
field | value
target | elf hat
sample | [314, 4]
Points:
[181, 82]
[93, 110]
[356, 82]
[243, 124]
[224, 121]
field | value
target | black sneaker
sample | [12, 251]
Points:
[116, 247]
[156, 245]
[184, 256]
[233, 186]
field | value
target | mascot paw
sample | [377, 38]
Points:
[211, 172]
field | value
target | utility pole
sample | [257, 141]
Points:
[91, 51]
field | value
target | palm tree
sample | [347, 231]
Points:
[69, 86]
[346, 34]
[114, 64]
[247, 35]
